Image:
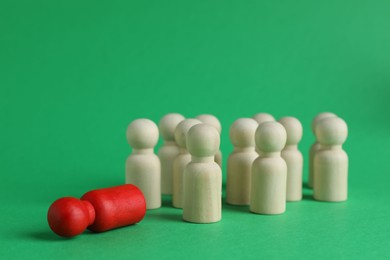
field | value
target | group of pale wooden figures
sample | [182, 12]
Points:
[263, 171]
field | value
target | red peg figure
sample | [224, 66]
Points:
[98, 210]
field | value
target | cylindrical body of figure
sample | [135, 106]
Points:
[143, 170]
[238, 182]
[269, 170]
[202, 191]
[202, 176]
[143, 167]
[179, 165]
[167, 155]
[331, 175]
[168, 150]
[316, 145]
[116, 207]
[268, 191]
[313, 150]
[294, 161]
[181, 160]
[218, 158]
[293, 157]
[331, 161]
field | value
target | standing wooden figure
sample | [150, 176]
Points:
[269, 170]
[169, 150]
[239, 163]
[214, 122]
[143, 167]
[263, 117]
[293, 158]
[331, 161]
[202, 177]
[181, 160]
[316, 145]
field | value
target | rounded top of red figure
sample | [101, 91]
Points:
[69, 216]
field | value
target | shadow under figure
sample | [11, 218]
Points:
[173, 216]
[47, 235]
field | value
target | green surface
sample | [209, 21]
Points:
[73, 74]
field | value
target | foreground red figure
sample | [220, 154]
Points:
[98, 210]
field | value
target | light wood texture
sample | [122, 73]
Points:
[169, 150]
[269, 170]
[315, 146]
[214, 122]
[263, 117]
[143, 167]
[181, 160]
[202, 177]
[331, 161]
[239, 163]
[293, 158]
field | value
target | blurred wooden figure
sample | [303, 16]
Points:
[181, 160]
[293, 158]
[316, 145]
[239, 163]
[263, 117]
[214, 122]
[331, 161]
[169, 150]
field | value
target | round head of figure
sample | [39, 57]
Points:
[293, 129]
[263, 117]
[318, 118]
[210, 120]
[203, 140]
[331, 131]
[168, 124]
[181, 131]
[242, 132]
[142, 134]
[270, 137]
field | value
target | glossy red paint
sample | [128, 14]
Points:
[98, 210]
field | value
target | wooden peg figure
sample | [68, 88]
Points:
[143, 167]
[293, 158]
[263, 117]
[269, 170]
[239, 163]
[202, 176]
[214, 122]
[316, 145]
[169, 150]
[331, 161]
[181, 160]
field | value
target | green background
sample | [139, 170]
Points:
[73, 74]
